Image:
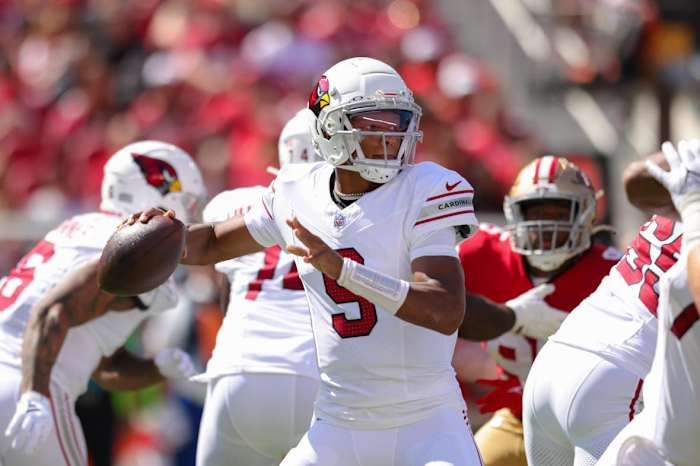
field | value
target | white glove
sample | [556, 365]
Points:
[533, 316]
[174, 363]
[684, 178]
[31, 423]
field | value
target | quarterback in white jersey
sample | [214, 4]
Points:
[375, 238]
[667, 431]
[586, 383]
[56, 331]
[263, 375]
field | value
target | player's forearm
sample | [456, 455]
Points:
[125, 371]
[431, 305]
[211, 243]
[43, 338]
[485, 319]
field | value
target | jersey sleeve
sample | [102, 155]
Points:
[261, 222]
[448, 202]
[223, 206]
[219, 208]
[434, 243]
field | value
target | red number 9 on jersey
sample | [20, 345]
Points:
[348, 328]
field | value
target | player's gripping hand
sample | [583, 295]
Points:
[683, 181]
[146, 215]
[314, 250]
[174, 363]
[533, 316]
[31, 423]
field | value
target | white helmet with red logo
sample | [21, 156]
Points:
[551, 178]
[356, 86]
[294, 144]
[152, 174]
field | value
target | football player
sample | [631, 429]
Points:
[586, 383]
[521, 283]
[667, 430]
[374, 236]
[263, 375]
[58, 329]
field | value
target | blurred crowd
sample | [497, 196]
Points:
[79, 79]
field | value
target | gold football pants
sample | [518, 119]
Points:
[500, 440]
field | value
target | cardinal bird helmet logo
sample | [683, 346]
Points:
[158, 173]
[319, 97]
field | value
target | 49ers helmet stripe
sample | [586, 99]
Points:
[545, 169]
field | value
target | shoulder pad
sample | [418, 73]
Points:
[445, 197]
[295, 171]
[91, 230]
[230, 203]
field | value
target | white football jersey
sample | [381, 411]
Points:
[618, 321]
[377, 371]
[64, 249]
[672, 389]
[267, 327]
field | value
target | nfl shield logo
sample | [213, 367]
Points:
[339, 220]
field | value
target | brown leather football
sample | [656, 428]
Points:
[643, 191]
[140, 257]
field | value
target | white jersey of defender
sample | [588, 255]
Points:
[672, 389]
[66, 248]
[667, 430]
[267, 327]
[618, 321]
[377, 371]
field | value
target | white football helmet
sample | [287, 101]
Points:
[356, 86]
[550, 178]
[153, 174]
[294, 144]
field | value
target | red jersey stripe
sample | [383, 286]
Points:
[684, 321]
[443, 216]
[439, 196]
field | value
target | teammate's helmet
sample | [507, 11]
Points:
[551, 178]
[294, 144]
[152, 174]
[356, 86]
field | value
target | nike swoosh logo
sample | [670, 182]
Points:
[450, 187]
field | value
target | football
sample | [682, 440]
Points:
[140, 257]
[643, 191]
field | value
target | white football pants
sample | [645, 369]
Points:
[254, 419]
[65, 445]
[574, 405]
[443, 439]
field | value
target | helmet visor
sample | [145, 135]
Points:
[384, 121]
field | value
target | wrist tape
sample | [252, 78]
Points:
[386, 292]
